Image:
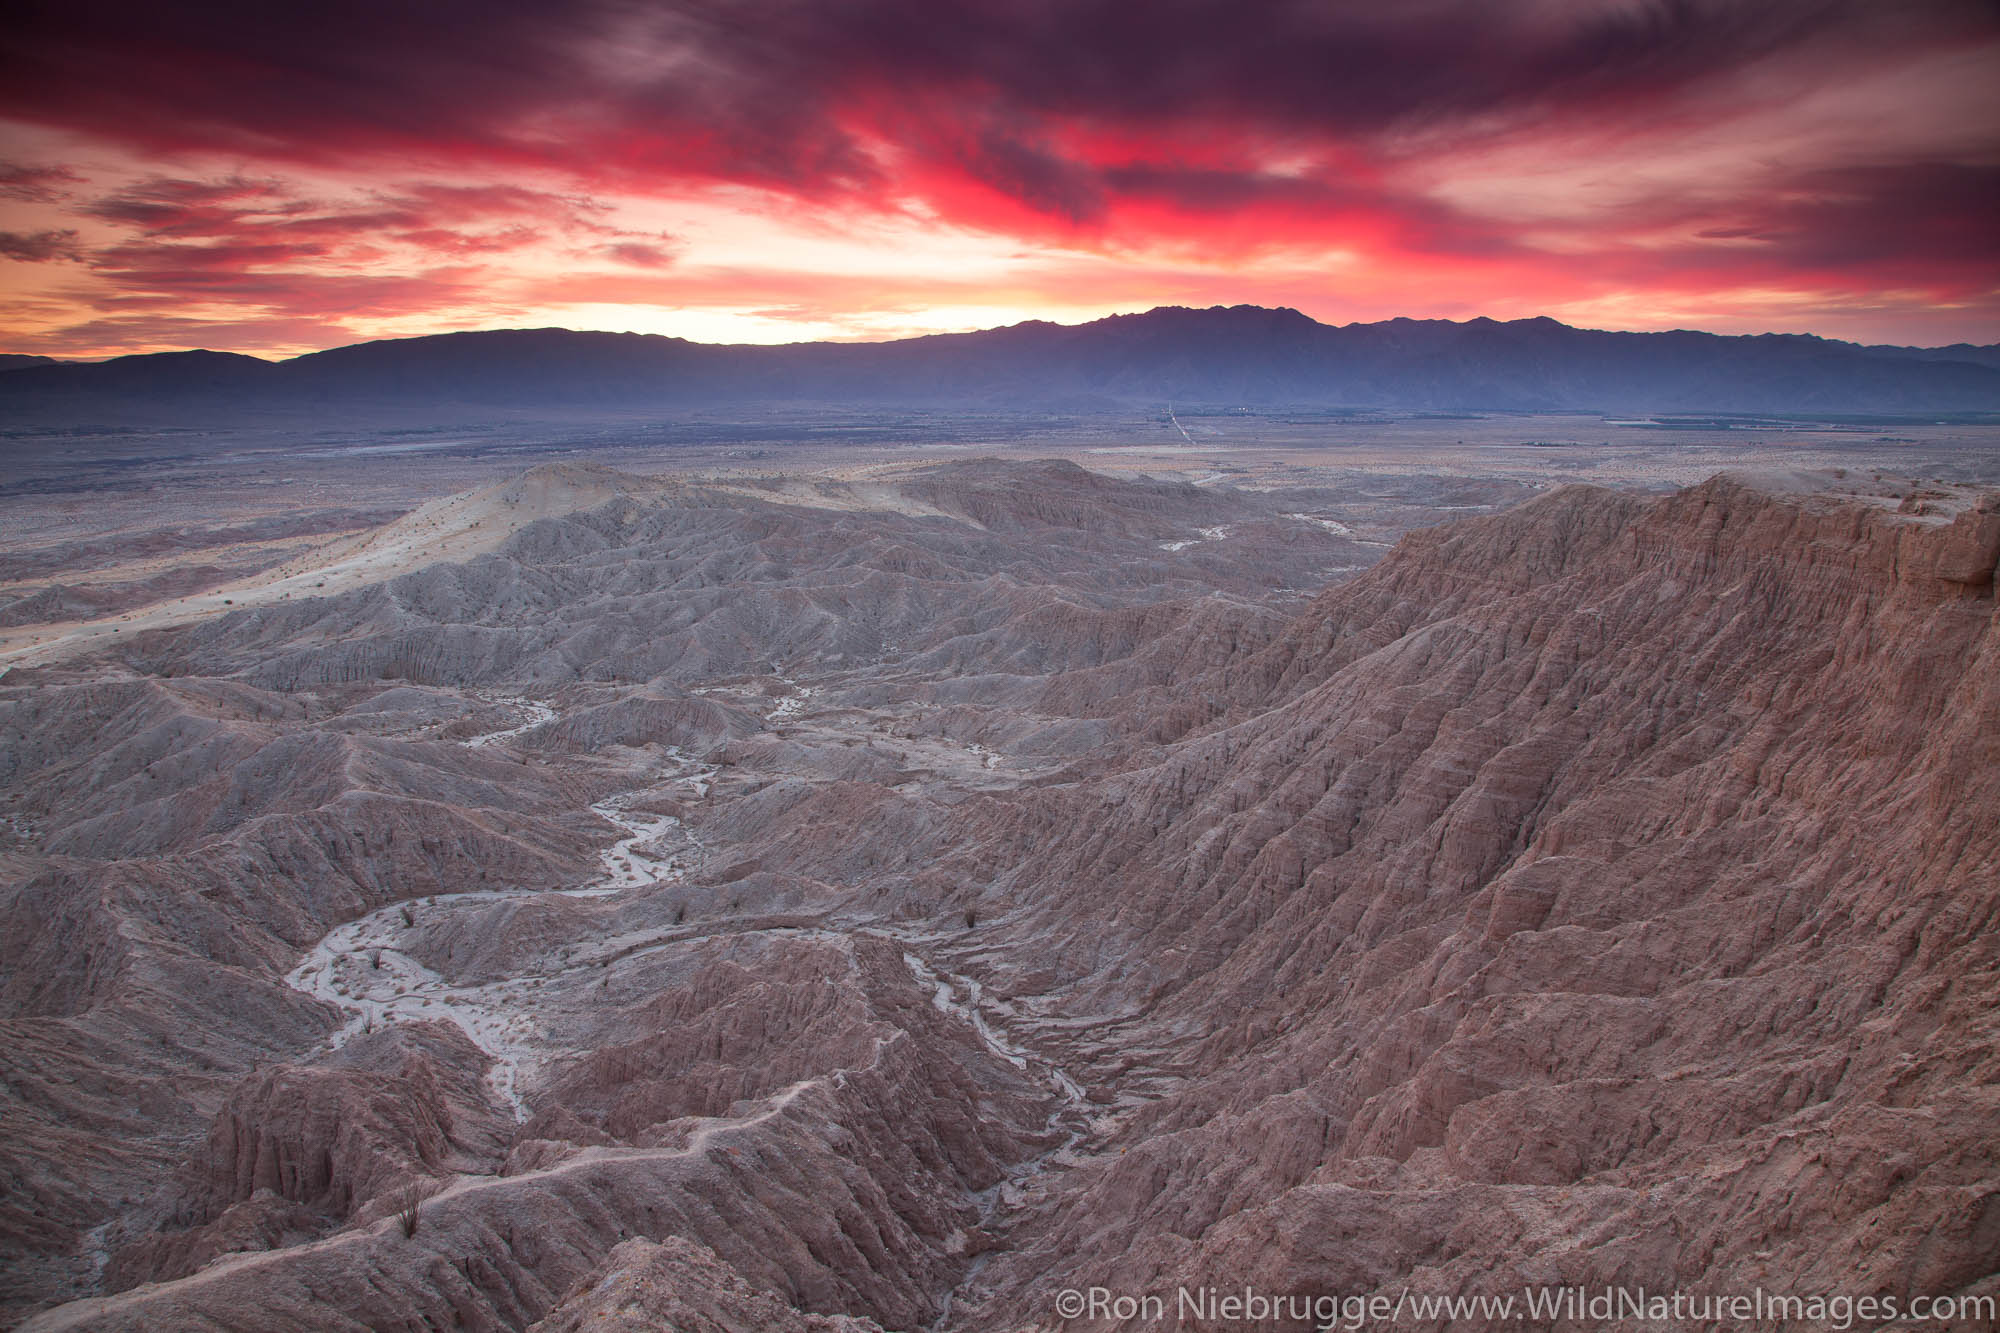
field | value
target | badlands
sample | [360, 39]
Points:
[891, 897]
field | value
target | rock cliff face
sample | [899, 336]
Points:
[736, 912]
[1606, 896]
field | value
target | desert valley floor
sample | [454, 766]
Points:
[830, 887]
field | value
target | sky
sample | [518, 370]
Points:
[274, 179]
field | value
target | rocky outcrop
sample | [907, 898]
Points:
[298, 1150]
[679, 1285]
[404, 1103]
[654, 714]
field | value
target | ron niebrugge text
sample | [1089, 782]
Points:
[1218, 1307]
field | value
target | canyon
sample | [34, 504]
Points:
[888, 897]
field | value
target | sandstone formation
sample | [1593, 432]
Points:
[768, 905]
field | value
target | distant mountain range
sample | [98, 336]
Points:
[1224, 356]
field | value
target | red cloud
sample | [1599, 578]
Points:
[1226, 134]
[39, 247]
[35, 184]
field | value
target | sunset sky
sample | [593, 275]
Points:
[272, 178]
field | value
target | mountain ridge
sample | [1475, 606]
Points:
[1250, 356]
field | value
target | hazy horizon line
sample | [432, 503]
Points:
[278, 358]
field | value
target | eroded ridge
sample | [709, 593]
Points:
[812, 908]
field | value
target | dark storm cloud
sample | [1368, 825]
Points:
[39, 247]
[164, 206]
[1945, 213]
[769, 90]
[166, 278]
[256, 76]
[152, 263]
[1418, 222]
[34, 184]
[1045, 181]
[252, 243]
[640, 254]
[1343, 68]
[1913, 221]
[794, 93]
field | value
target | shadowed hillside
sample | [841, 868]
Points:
[1237, 356]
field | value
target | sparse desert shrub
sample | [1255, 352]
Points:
[410, 1209]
